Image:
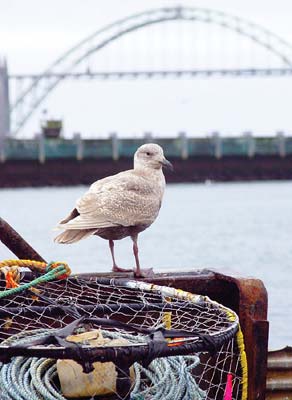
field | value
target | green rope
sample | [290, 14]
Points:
[51, 275]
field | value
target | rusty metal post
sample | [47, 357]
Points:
[16, 243]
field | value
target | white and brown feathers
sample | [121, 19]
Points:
[120, 205]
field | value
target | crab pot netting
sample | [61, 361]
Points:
[212, 328]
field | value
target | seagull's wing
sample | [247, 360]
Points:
[124, 199]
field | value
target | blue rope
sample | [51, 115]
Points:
[165, 378]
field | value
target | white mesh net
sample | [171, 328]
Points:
[140, 341]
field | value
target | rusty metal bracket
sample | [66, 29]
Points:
[15, 243]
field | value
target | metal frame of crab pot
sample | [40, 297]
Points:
[246, 296]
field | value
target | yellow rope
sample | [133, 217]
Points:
[243, 363]
[23, 263]
[166, 318]
[243, 359]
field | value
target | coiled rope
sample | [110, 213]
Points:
[32, 378]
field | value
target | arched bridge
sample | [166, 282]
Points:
[37, 87]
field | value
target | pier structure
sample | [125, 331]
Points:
[43, 161]
[183, 146]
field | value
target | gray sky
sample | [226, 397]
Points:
[34, 33]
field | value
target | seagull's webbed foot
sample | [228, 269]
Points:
[115, 268]
[140, 273]
[118, 269]
[144, 273]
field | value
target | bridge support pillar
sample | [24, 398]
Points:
[4, 106]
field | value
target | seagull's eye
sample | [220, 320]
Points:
[147, 153]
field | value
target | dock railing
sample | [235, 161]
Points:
[114, 147]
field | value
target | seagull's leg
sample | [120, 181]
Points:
[115, 267]
[139, 273]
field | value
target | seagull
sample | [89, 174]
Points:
[120, 205]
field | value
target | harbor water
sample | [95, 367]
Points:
[234, 228]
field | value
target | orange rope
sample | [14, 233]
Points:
[10, 280]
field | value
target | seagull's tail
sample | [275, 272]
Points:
[73, 235]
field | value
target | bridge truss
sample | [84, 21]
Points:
[40, 86]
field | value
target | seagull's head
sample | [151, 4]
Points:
[151, 155]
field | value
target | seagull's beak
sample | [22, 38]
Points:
[167, 164]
